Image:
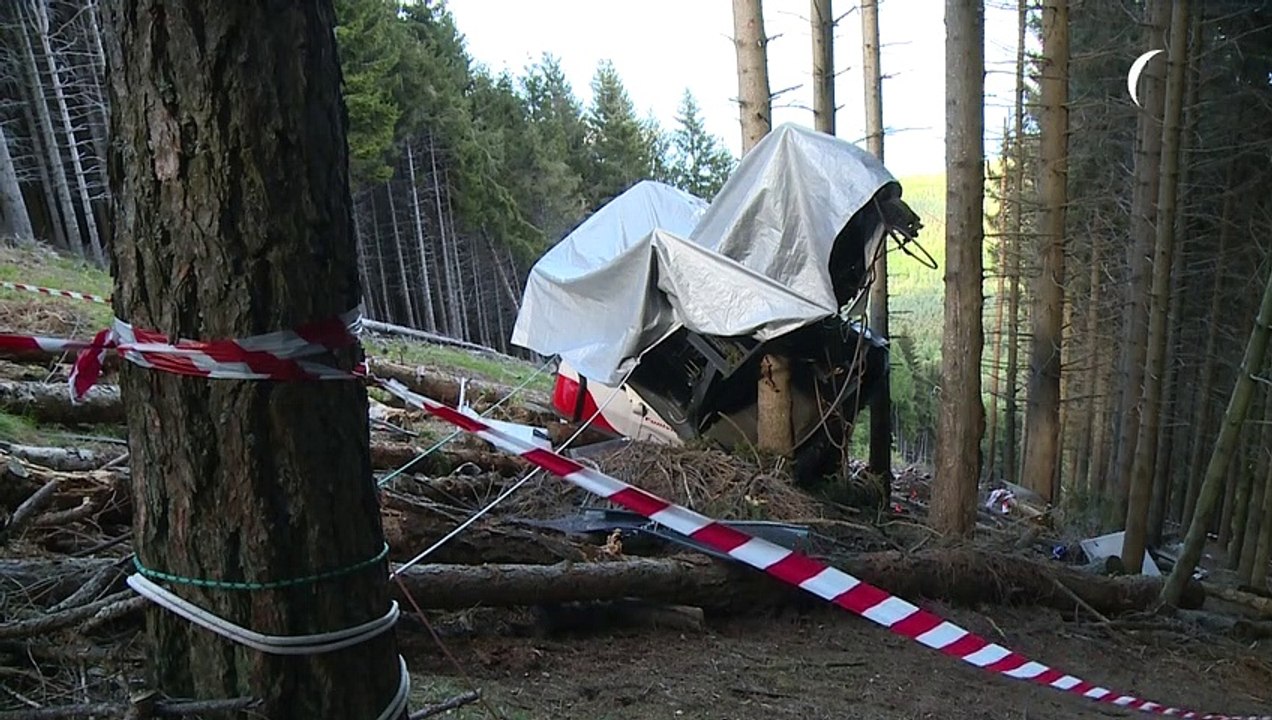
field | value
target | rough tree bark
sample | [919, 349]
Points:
[1143, 201]
[14, 220]
[751, 45]
[230, 176]
[881, 405]
[1143, 467]
[962, 415]
[1221, 456]
[773, 400]
[1042, 416]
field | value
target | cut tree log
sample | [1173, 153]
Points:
[390, 456]
[52, 403]
[958, 576]
[66, 459]
[1258, 603]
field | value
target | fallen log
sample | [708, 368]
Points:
[1258, 603]
[65, 459]
[413, 524]
[957, 576]
[391, 456]
[52, 403]
[391, 329]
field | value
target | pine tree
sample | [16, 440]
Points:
[620, 145]
[700, 164]
[369, 45]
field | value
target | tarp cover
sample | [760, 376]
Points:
[756, 262]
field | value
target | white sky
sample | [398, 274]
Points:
[660, 47]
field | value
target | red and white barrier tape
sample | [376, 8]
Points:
[794, 568]
[275, 356]
[54, 292]
[272, 356]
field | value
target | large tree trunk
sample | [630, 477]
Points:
[1042, 418]
[14, 220]
[230, 179]
[751, 46]
[962, 414]
[1135, 333]
[881, 405]
[1010, 426]
[773, 401]
[1221, 456]
[1141, 480]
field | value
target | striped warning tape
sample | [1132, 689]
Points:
[54, 292]
[813, 576]
[275, 356]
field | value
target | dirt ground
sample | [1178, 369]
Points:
[830, 664]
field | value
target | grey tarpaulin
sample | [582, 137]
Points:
[756, 262]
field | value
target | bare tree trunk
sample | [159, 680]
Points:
[823, 29]
[881, 405]
[14, 220]
[447, 293]
[457, 295]
[1221, 457]
[1010, 419]
[72, 145]
[962, 414]
[1205, 386]
[402, 271]
[46, 182]
[1141, 480]
[1263, 552]
[389, 315]
[364, 276]
[251, 481]
[1240, 513]
[1255, 516]
[429, 317]
[1135, 330]
[996, 373]
[1095, 401]
[751, 46]
[1042, 418]
[70, 224]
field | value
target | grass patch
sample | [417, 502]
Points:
[16, 428]
[35, 265]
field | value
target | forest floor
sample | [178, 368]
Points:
[766, 663]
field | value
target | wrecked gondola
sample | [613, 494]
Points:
[660, 305]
